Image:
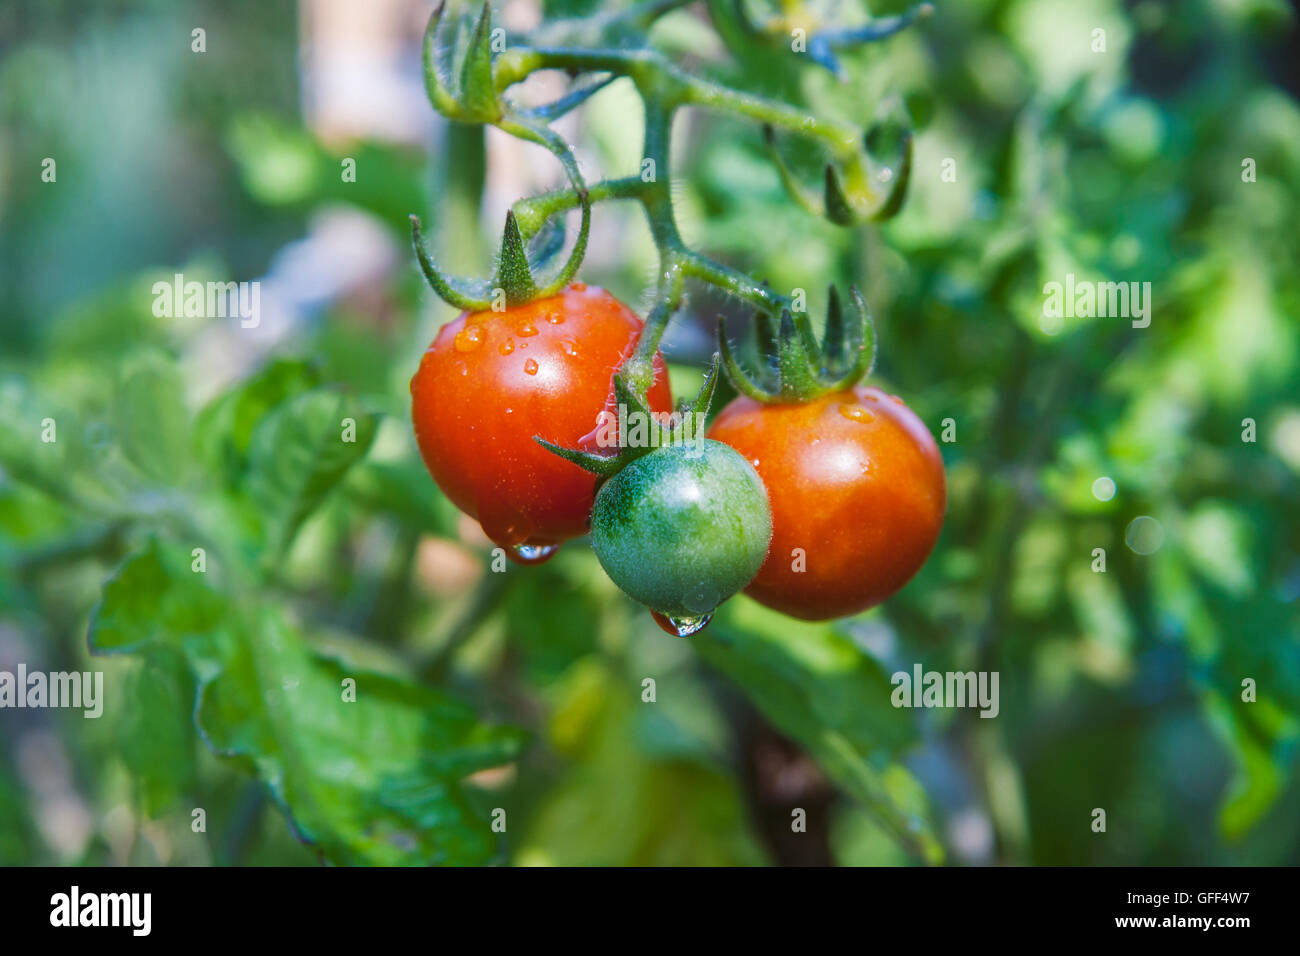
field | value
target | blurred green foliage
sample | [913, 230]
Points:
[523, 691]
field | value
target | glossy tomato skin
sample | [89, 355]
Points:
[492, 380]
[682, 528]
[856, 481]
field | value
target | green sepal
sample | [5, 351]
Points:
[443, 100]
[604, 466]
[835, 203]
[738, 377]
[803, 328]
[765, 338]
[513, 275]
[478, 95]
[833, 339]
[704, 397]
[838, 208]
[796, 376]
[796, 369]
[858, 358]
[470, 96]
[898, 190]
[600, 465]
[468, 294]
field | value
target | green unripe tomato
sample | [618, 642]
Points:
[683, 528]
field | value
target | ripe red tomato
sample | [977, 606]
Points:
[856, 481]
[492, 380]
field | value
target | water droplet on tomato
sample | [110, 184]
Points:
[507, 346]
[526, 329]
[533, 553]
[555, 318]
[578, 286]
[469, 338]
[682, 626]
[570, 348]
[530, 367]
[856, 413]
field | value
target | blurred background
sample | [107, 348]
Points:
[1171, 157]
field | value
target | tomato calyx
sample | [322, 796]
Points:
[474, 98]
[796, 368]
[682, 427]
[515, 281]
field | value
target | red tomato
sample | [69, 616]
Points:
[856, 481]
[492, 380]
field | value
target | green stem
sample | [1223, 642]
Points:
[532, 213]
[840, 138]
[699, 266]
[664, 88]
[657, 199]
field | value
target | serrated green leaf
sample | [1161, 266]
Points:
[374, 780]
[153, 422]
[27, 421]
[299, 453]
[224, 430]
[158, 730]
[154, 597]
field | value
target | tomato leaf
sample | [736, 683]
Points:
[158, 732]
[298, 453]
[368, 767]
[225, 427]
[153, 421]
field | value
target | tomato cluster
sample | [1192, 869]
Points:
[817, 508]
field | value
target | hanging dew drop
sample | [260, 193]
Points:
[533, 553]
[682, 626]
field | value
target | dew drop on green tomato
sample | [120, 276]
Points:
[682, 626]
[682, 529]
